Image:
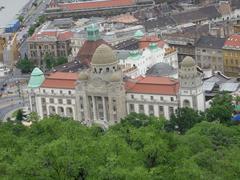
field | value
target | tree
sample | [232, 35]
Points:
[60, 148]
[21, 18]
[19, 115]
[33, 116]
[49, 61]
[221, 108]
[31, 30]
[60, 60]
[25, 65]
[184, 119]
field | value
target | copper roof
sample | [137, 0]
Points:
[152, 85]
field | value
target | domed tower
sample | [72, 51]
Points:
[191, 91]
[101, 90]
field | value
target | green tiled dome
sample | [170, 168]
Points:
[135, 54]
[153, 46]
[138, 34]
[36, 79]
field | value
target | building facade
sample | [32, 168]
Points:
[100, 91]
[54, 43]
[140, 61]
[191, 86]
[99, 95]
[231, 55]
[209, 53]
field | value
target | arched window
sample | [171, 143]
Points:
[52, 110]
[186, 103]
[60, 111]
[69, 111]
[107, 69]
[100, 70]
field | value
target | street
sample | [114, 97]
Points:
[31, 17]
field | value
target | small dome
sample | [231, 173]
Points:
[138, 34]
[116, 77]
[36, 72]
[188, 62]
[104, 55]
[83, 76]
[36, 79]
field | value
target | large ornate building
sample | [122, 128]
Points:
[99, 95]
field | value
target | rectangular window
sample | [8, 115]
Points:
[141, 108]
[161, 98]
[69, 101]
[152, 98]
[52, 91]
[61, 92]
[51, 100]
[131, 108]
[132, 96]
[69, 92]
[43, 100]
[171, 111]
[151, 110]
[161, 110]
[60, 101]
[172, 98]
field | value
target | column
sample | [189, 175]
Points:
[94, 108]
[104, 108]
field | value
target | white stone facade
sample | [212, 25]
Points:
[144, 59]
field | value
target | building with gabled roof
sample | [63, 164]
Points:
[49, 42]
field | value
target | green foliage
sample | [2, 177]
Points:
[31, 30]
[184, 119]
[51, 61]
[137, 148]
[221, 108]
[40, 21]
[19, 115]
[21, 18]
[25, 65]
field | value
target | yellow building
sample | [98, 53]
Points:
[2, 46]
[231, 55]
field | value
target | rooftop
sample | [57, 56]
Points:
[161, 69]
[60, 80]
[204, 13]
[95, 4]
[152, 85]
[233, 41]
[54, 34]
[210, 42]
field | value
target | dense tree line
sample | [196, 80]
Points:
[140, 147]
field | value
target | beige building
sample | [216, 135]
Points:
[209, 53]
[99, 95]
[54, 43]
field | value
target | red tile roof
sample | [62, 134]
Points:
[60, 80]
[60, 36]
[96, 4]
[233, 41]
[152, 85]
[146, 40]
